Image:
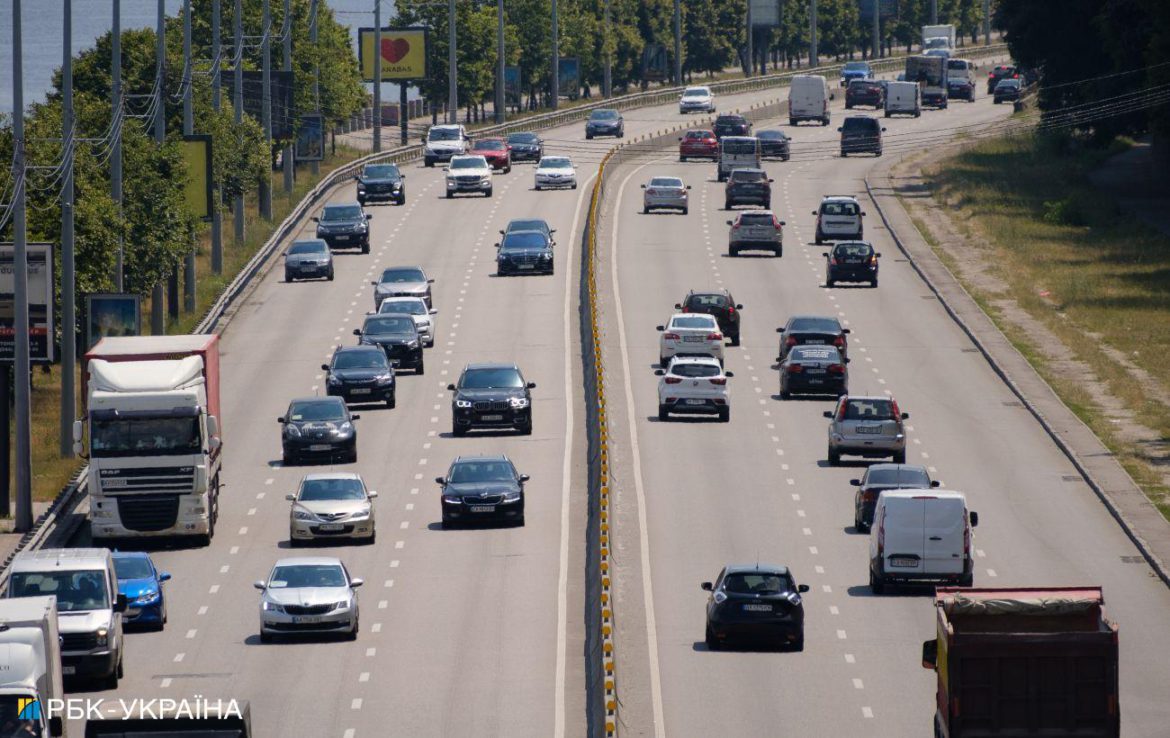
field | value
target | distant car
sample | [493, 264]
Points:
[402, 281]
[731, 125]
[398, 336]
[718, 303]
[747, 187]
[813, 370]
[861, 134]
[605, 122]
[497, 152]
[525, 252]
[530, 224]
[416, 308]
[308, 259]
[944, 53]
[444, 142]
[555, 171]
[344, 225]
[142, 585]
[878, 478]
[318, 429]
[482, 488]
[665, 193]
[694, 385]
[491, 395]
[381, 182]
[1008, 90]
[700, 144]
[756, 602]
[331, 506]
[865, 92]
[855, 70]
[838, 218]
[360, 374]
[308, 595]
[469, 173]
[696, 100]
[851, 261]
[755, 230]
[871, 427]
[526, 146]
[1001, 72]
[774, 144]
[812, 330]
[689, 333]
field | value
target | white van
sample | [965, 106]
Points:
[808, 99]
[737, 152]
[921, 535]
[903, 98]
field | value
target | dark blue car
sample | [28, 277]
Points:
[141, 583]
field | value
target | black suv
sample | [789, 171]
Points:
[395, 334]
[812, 330]
[524, 252]
[318, 429]
[719, 303]
[381, 182]
[851, 261]
[491, 396]
[360, 374]
[861, 134]
[526, 146]
[482, 488]
[882, 477]
[747, 187]
[755, 602]
[732, 125]
[865, 92]
[344, 226]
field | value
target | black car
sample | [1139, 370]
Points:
[344, 226]
[865, 92]
[1007, 90]
[851, 261]
[747, 187]
[491, 396]
[757, 603]
[524, 252]
[718, 303]
[605, 122]
[731, 125]
[526, 146]
[310, 258]
[774, 144]
[381, 182]
[1002, 72]
[880, 477]
[813, 370]
[360, 374]
[530, 224]
[395, 334]
[812, 330]
[480, 489]
[861, 134]
[318, 429]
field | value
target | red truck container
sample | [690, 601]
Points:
[1037, 661]
[161, 348]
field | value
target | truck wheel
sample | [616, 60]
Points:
[711, 640]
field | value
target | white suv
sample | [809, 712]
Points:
[444, 142]
[469, 174]
[417, 309]
[838, 219]
[694, 385]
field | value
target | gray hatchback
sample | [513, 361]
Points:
[867, 426]
[308, 259]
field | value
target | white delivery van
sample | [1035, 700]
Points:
[30, 667]
[808, 99]
[737, 152]
[921, 536]
[903, 98]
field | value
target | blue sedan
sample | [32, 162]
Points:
[141, 583]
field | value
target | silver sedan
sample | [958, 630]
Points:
[665, 193]
[308, 595]
[331, 505]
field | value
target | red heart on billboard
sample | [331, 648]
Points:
[395, 49]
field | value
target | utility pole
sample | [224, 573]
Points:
[751, 59]
[812, 35]
[22, 368]
[877, 32]
[188, 130]
[68, 278]
[238, 106]
[266, 112]
[216, 103]
[934, 11]
[678, 42]
[287, 158]
[501, 105]
[157, 322]
[315, 166]
[987, 22]
[377, 75]
[452, 90]
[116, 152]
[607, 68]
[555, 82]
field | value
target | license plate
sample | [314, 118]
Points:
[696, 402]
[870, 429]
[816, 381]
[526, 266]
[814, 371]
[903, 562]
[757, 608]
[320, 447]
[68, 670]
[692, 339]
[306, 619]
[331, 526]
[491, 417]
[361, 391]
[815, 342]
[341, 238]
[483, 508]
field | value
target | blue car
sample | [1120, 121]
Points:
[855, 70]
[141, 583]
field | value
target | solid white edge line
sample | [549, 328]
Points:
[643, 534]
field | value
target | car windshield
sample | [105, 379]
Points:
[470, 162]
[443, 134]
[666, 182]
[815, 353]
[308, 247]
[860, 125]
[840, 208]
[957, 64]
[408, 274]
[316, 490]
[816, 325]
[756, 583]
[316, 410]
[481, 471]
[342, 212]
[132, 567]
[913, 477]
[707, 301]
[747, 175]
[603, 115]
[360, 360]
[522, 240]
[679, 369]
[490, 145]
[488, 378]
[696, 92]
[730, 120]
[772, 135]
[869, 410]
[75, 590]
[557, 162]
[523, 138]
[126, 435]
[856, 67]
[307, 575]
[755, 219]
[527, 225]
[853, 249]
[404, 307]
[388, 324]
[705, 322]
[382, 171]
[699, 135]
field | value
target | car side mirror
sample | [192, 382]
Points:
[845, 330]
[905, 416]
[974, 519]
[643, 186]
[779, 330]
[369, 216]
[324, 367]
[374, 282]
[783, 222]
[531, 385]
[164, 577]
[315, 219]
[771, 180]
[660, 328]
[738, 306]
[935, 483]
[855, 482]
[847, 360]
[863, 212]
[355, 583]
[678, 306]
[802, 588]
[680, 139]
[433, 311]
[930, 654]
[814, 212]
[291, 498]
[660, 372]
[688, 187]
[282, 421]
[430, 281]
[524, 477]
[357, 331]
[840, 129]
[552, 230]
[372, 494]
[883, 130]
[729, 374]
[120, 603]
[354, 417]
[825, 254]
[729, 223]
[706, 586]
[879, 254]
[451, 388]
[828, 414]
[501, 232]
[260, 584]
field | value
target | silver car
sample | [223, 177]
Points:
[416, 308]
[332, 505]
[665, 192]
[867, 426]
[403, 281]
[310, 258]
[309, 594]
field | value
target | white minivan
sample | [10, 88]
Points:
[808, 99]
[921, 536]
[903, 98]
[737, 152]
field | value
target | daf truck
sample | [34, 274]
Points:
[30, 666]
[152, 434]
[930, 74]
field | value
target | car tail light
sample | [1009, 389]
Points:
[868, 496]
[837, 369]
[790, 342]
[795, 368]
[714, 336]
[954, 706]
[839, 341]
[1015, 76]
[718, 380]
[671, 336]
[832, 261]
[990, 75]
[841, 412]
[775, 222]
[897, 412]
[673, 380]
[731, 310]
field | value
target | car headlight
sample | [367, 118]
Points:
[303, 515]
[360, 515]
[345, 427]
[273, 607]
[292, 431]
[384, 378]
[146, 598]
[103, 637]
[519, 402]
[451, 499]
[513, 496]
[546, 256]
[794, 598]
[463, 403]
[720, 598]
[334, 380]
[412, 344]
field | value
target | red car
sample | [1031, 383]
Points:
[698, 145]
[497, 152]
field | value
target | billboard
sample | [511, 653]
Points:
[889, 9]
[112, 314]
[404, 53]
[569, 77]
[512, 86]
[282, 98]
[311, 138]
[198, 193]
[40, 302]
[765, 13]
[655, 63]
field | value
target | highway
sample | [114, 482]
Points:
[695, 495]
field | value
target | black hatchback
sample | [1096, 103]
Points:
[731, 125]
[491, 396]
[718, 303]
[812, 330]
[851, 261]
[360, 374]
[755, 603]
[395, 334]
[318, 429]
[481, 489]
[861, 134]
[880, 477]
[774, 144]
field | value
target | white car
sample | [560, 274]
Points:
[555, 171]
[690, 333]
[469, 174]
[839, 219]
[310, 594]
[694, 385]
[417, 309]
[444, 142]
[697, 100]
[331, 505]
[667, 193]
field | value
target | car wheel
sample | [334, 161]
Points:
[967, 580]
[289, 278]
[724, 415]
[735, 340]
[588, 136]
[353, 634]
[663, 361]
[830, 283]
[536, 187]
[727, 204]
[330, 275]
[685, 211]
[798, 644]
[294, 542]
[733, 251]
[876, 585]
[488, 192]
[792, 121]
[574, 186]
[268, 637]
[681, 157]
[450, 194]
[849, 106]
[663, 413]
[458, 431]
[711, 640]
[428, 162]
[526, 429]
[834, 457]
[779, 253]
[786, 157]
[785, 394]
[873, 283]
[900, 457]
[419, 369]
[391, 401]
[645, 210]
[843, 154]
[366, 247]
[351, 457]
[288, 459]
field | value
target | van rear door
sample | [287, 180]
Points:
[903, 530]
[945, 521]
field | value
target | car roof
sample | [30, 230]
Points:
[691, 315]
[868, 398]
[130, 555]
[838, 198]
[447, 126]
[491, 365]
[404, 266]
[695, 359]
[896, 467]
[542, 234]
[722, 291]
[50, 559]
[359, 349]
[759, 211]
[761, 568]
[307, 561]
[333, 205]
[480, 457]
[753, 170]
[316, 241]
[402, 298]
[812, 317]
[946, 494]
[316, 476]
[317, 398]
